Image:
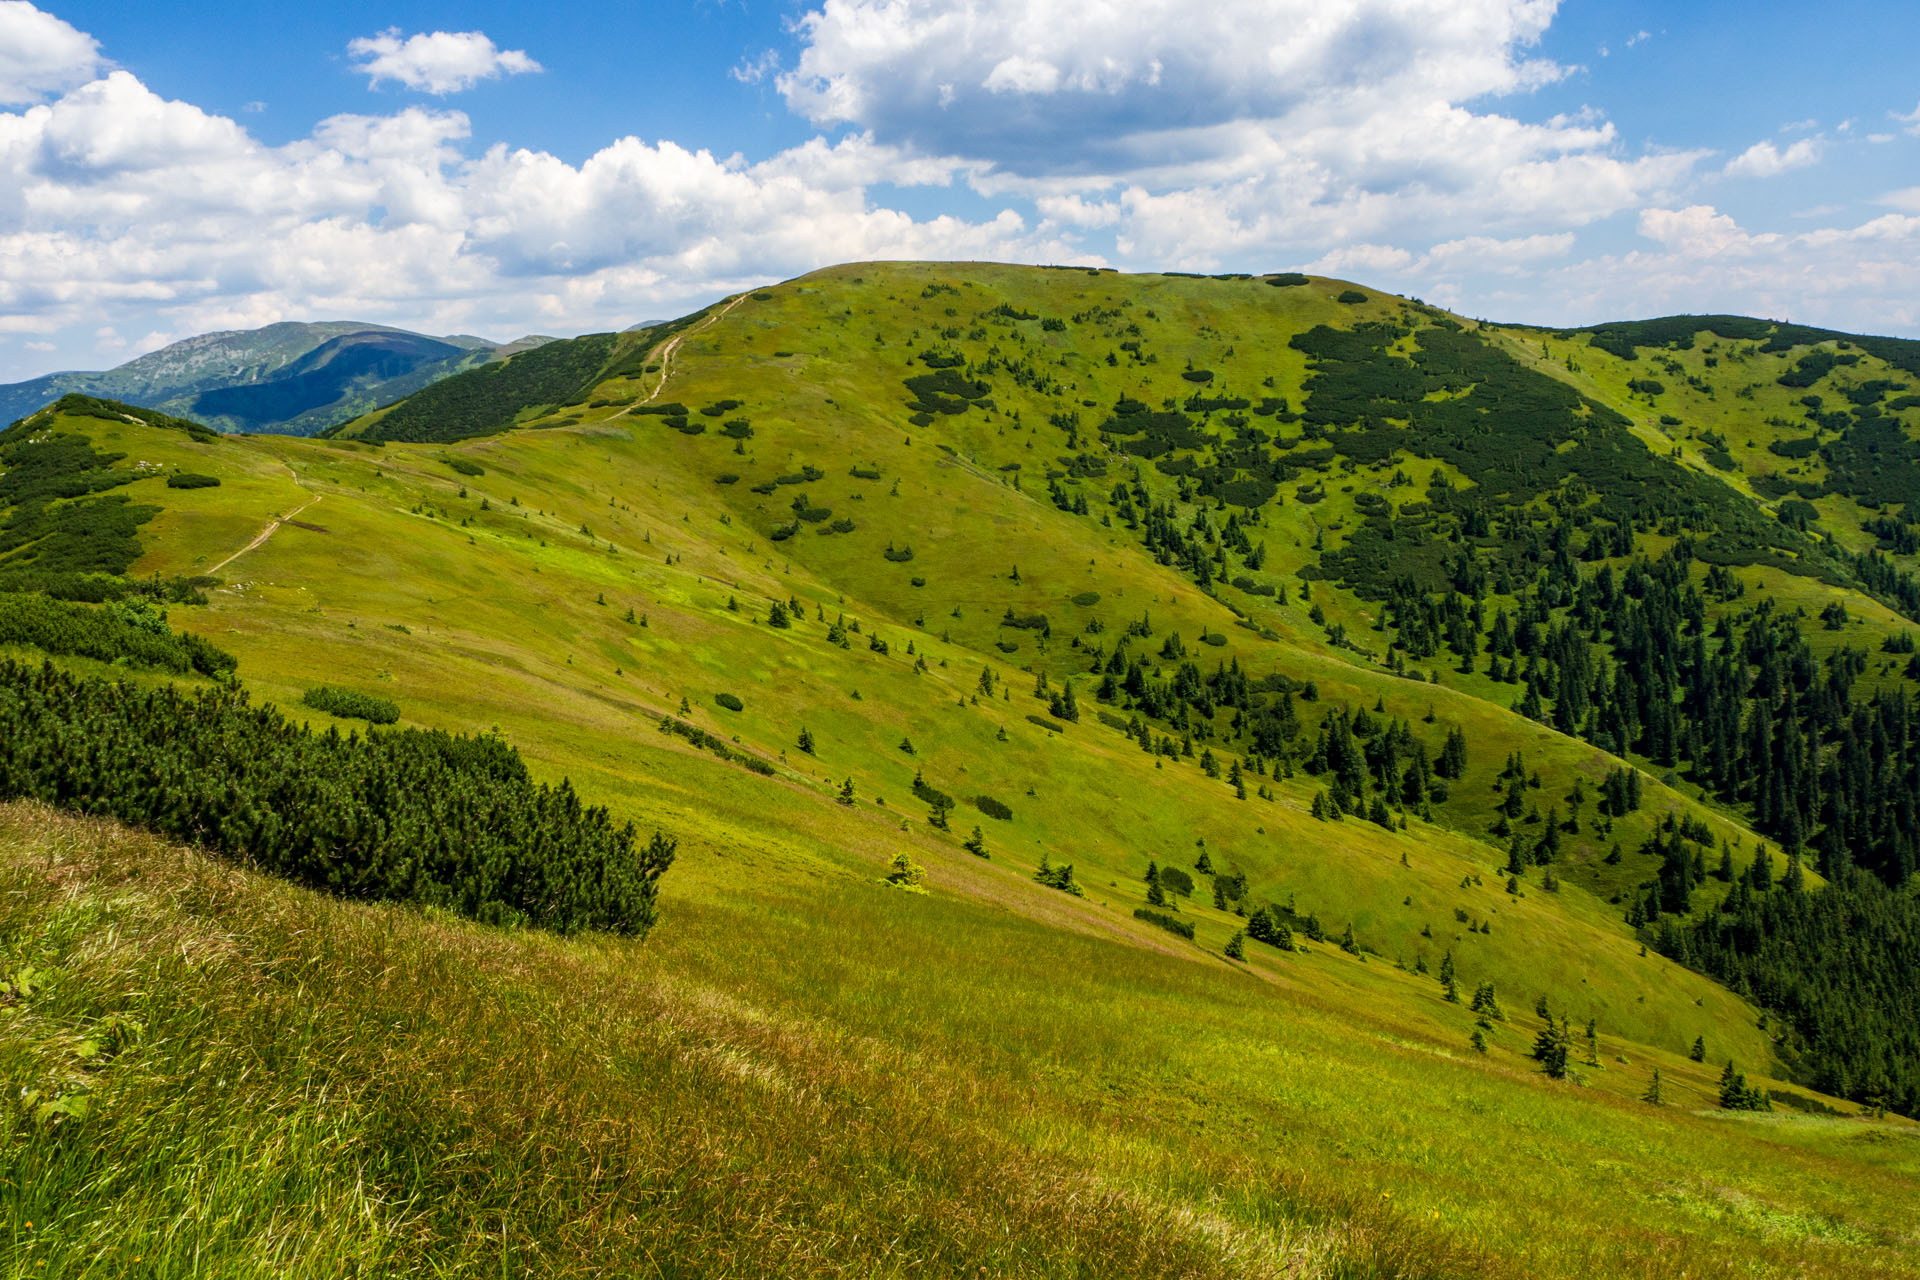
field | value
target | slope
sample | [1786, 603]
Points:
[582, 585]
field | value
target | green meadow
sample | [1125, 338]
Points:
[805, 1070]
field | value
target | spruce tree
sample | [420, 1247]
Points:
[1653, 1093]
[806, 739]
[1447, 979]
[1156, 896]
[1699, 1051]
[976, 844]
[1237, 946]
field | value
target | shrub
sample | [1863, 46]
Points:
[1174, 880]
[726, 477]
[1198, 375]
[1351, 297]
[1045, 723]
[898, 556]
[1286, 279]
[466, 468]
[1087, 599]
[402, 816]
[1172, 924]
[729, 701]
[191, 480]
[128, 631]
[993, 808]
[351, 705]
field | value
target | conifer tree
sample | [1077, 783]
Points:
[1237, 946]
[976, 844]
[1654, 1094]
[1447, 979]
[806, 740]
[1699, 1051]
[1156, 896]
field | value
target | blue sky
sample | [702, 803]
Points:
[496, 168]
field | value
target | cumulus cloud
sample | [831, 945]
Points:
[1910, 119]
[1764, 160]
[1203, 134]
[1862, 278]
[117, 201]
[40, 54]
[439, 62]
[1907, 198]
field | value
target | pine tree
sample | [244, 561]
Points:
[976, 844]
[1156, 896]
[777, 616]
[1550, 1049]
[1478, 1040]
[1447, 979]
[1237, 946]
[1699, 1051]
[846, 792]
[1654, 1093]
[806, 739]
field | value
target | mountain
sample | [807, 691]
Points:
[1166, 775]
[291, 378]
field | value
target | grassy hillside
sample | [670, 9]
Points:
[1165, 1108]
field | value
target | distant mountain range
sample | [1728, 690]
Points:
[289, 378]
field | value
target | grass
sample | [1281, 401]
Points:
[316, 1087]
[803, 1071]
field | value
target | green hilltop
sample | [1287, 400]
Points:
[1467, 749]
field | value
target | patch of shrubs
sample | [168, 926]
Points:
[707, 742]
[1286, 279]
[129, 631]
[192, 480]
[728, 477]
[350, 704]
[729, 701]
[465, 467]
[1172, 924]
[1352, 297]
[993, 808]
[400, 816]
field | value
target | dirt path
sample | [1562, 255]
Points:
[673, 344]
[265, 533]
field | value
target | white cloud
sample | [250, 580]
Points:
[118, 205]
[40, 54]
[1042, 85]
[1908, 199]
[1910, 119]
[439, 62]
[39, 346]
[1764, 160]
[1637, 37]
[1860, 279]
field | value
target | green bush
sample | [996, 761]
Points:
[351, 705]
[993, 808]
[191, 480]
[128, 631]
[400, 816]
[1351, 297]
[466, 468]
[1171, 923]
[729, 701]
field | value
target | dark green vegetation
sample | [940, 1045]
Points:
[350, 704]
[129, 630]
[491, 398]
[411, 816]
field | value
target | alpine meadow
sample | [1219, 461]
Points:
[955, 768]
[1363, 723]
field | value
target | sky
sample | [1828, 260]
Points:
[168, 168]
